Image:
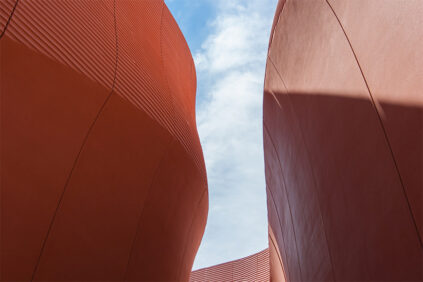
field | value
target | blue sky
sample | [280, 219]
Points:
[228, 40]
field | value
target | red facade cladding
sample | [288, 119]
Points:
[253, 268]
[97, 107]
[343, 137]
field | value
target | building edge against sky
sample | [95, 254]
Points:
[343, 129]
[97, 106]
[342, 143]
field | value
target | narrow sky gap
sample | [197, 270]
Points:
[228, 40]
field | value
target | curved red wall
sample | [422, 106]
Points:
[343, 127]
[252, 268]
[102, 173]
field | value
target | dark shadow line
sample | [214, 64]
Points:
[9, 19]
[81, 148]
[381, 125]
[169, 147]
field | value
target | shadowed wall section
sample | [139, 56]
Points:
[343, 127]
[102, 173]
[252, 268]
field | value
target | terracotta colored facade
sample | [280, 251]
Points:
[253, 268]
[102, 173]
[343, 129]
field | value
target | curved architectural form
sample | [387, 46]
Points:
[343, 129]
[253, 268]
[102, 173]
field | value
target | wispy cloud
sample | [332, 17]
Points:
[230, 68]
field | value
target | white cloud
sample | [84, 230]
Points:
[230, 69]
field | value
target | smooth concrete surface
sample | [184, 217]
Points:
[102, 172]
[343, 137]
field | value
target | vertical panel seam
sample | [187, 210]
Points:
[163, 64]
[287, 198]
[272, 35]
[311, 167]
[165, 153]
[381, 125]
[280, 227]
[169, 146]
[82, 145]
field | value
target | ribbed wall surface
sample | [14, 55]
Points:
[343, 127]
[253, 268]
[103, 176]
[6, 11]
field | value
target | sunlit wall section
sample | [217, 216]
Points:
[102, 172]
[343, 129]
